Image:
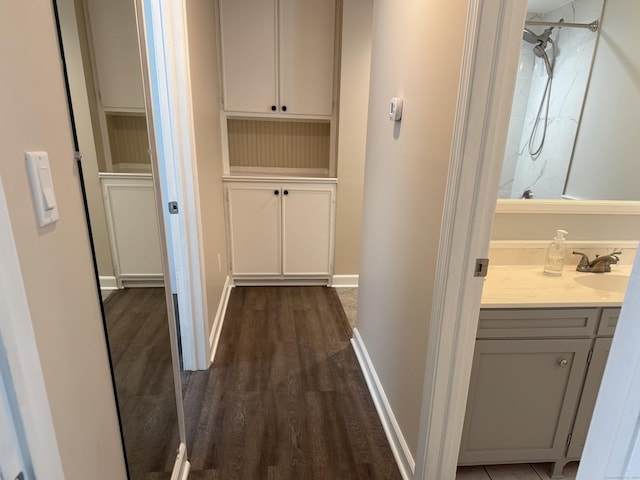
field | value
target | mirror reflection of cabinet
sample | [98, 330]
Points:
[117, 79]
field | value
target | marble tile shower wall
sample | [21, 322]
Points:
[545, 176]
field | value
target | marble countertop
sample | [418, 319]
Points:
[525, 286]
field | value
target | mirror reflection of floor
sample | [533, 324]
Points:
[139, 343]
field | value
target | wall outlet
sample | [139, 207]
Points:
[219, 263]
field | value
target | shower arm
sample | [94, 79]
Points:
[593, 26]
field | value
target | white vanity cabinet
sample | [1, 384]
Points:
[278, 56]
[280, 230]
[535, 378]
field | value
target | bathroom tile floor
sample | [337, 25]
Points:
[522, 471]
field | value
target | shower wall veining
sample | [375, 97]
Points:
[546, 175]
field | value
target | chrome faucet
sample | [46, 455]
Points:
[600, 264]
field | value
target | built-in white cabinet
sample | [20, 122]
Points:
[278, 56]
[535, 378]
[280, 229]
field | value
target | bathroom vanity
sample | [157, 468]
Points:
[541, 350]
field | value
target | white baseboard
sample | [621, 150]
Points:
[399, 447]
[344, 281]
[108, 283]
[151, 280]
[181, 466]
[279, 282]
[214, 337]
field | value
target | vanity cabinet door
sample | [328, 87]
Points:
[522, 398]
[608, 322]
[599, 357]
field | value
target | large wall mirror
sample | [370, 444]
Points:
[100, 46]
[576, 107]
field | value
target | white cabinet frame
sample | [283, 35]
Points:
[292, 186]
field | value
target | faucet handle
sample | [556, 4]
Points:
[613, 255]
[583, 266]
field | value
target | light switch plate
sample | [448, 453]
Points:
[44, 197]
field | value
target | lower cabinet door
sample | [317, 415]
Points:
[522, 398]
[254, 228]
[307, 225]
[590, 391]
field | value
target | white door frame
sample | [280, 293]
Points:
[163, 37]
[19, 340]
[491, 56]
[484, 106]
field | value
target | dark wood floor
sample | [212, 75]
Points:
[139, 343]
[285, 398]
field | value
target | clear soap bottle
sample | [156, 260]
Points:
[554, 263]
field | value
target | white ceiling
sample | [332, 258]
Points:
[539, 6]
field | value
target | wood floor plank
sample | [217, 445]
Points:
[285, 398]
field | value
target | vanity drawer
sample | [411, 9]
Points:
[538, 322]
[608, 322]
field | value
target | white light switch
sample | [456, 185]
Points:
[44, 197]
[395, 109]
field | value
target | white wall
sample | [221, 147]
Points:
[605, 162]
[352, 123]
[416, 54]
[202, 38]
[597, 227]
[55, 260]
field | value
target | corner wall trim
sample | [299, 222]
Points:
[399, 447]
[344, 281]
[181, 466]
[214, 337]
[108, 283]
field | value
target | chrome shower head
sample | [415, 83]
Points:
[529, 36]
[540, 43]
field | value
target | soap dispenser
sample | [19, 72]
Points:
[554, 263]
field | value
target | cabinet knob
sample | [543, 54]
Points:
[273, 108]
[284, 108]
[276, 192]
[563, 363]
[286, 192]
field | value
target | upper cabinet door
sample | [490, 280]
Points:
[307, 33]
[248, 44]
[115, 46]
